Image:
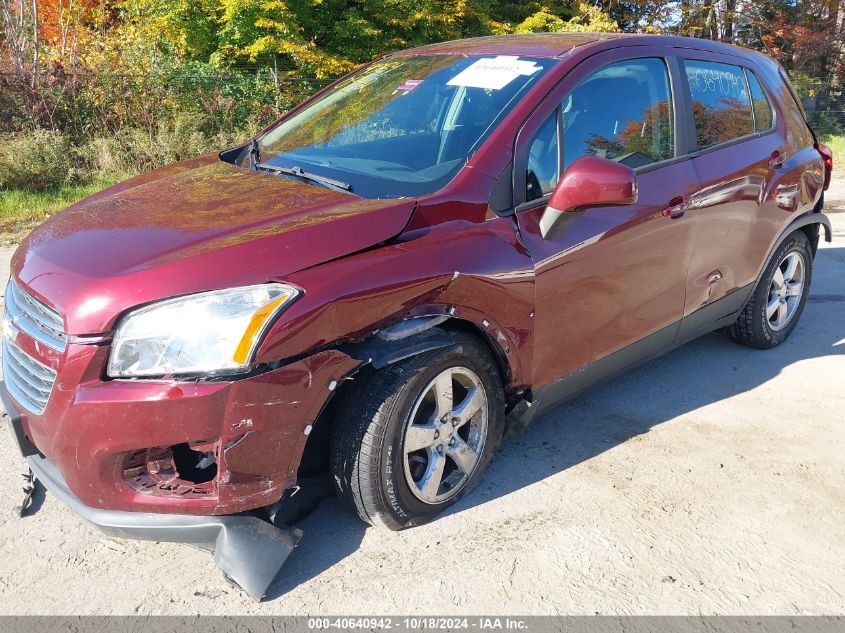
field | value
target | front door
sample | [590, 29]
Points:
[613, 275]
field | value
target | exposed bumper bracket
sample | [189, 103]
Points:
[248, 550]
[28, 492]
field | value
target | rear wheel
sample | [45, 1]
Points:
[778, 301]
[419, 434]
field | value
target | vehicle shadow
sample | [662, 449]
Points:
[707, 370]
[331, 533]
[700, 373]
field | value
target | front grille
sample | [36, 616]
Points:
[30, 315]
[28, 381]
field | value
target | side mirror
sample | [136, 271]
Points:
[590, 181]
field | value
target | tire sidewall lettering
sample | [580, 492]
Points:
[400, 501]
[390, 484]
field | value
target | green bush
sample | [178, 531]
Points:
[134, 150]
[825, 124]
[38, 160]
[41, 160]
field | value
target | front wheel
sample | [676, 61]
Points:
[419, 434]
[778, 301]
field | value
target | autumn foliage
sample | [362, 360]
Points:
[132, 84]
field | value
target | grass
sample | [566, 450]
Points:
[21, 210]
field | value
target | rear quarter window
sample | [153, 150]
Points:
[720, 102]
[763, 117]
[797, 129]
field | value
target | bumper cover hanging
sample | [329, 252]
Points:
[248, 550]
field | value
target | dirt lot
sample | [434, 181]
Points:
[709, 481]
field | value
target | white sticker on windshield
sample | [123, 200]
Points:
[493, 73]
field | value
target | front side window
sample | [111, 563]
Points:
[720, 102]
[763, 117]
[542, 172]
[404, 126]
[622, 112]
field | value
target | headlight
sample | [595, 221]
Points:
[201, 333]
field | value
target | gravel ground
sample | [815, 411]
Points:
[711, 480]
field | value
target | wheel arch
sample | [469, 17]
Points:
[810, 224]
[813, 229]
[389, 346]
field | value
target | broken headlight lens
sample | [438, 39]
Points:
[202, 333]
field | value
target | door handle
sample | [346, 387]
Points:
[676, 208]
[777, 159]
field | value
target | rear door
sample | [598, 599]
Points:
[615, 275]
[750, 169]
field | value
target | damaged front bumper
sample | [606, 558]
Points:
[247, 549]
[77, 449]
[146, 445]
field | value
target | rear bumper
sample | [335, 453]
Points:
[248, 550]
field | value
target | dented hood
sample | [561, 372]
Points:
[199, 225]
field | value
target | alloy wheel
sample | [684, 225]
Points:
[786, 291]
[445, 435]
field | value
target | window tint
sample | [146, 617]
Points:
[622, 112]
[720, 102]
[541, 173]
[763, 117]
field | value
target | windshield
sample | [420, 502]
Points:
[404, 126]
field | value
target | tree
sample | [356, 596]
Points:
[584, 17]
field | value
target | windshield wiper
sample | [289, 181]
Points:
[298, 172]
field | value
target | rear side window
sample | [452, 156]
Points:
[720, 102]
[763, 117]
[622, 112]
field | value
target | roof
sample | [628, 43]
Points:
[560, 44]
[531, 44]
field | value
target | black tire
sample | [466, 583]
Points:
[752, 327]
[366, 448]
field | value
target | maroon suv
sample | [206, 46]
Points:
[446, 237]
